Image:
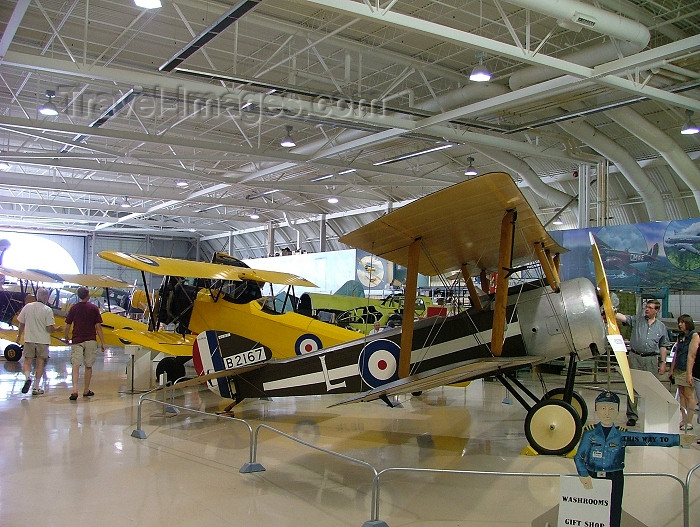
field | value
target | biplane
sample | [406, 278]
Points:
[357, 311]
[14, 297]
[484, 224]
[225, 294]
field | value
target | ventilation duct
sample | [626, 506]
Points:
[590, 17]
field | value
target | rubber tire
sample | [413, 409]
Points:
[13, 352]
[172, 367]
[577, 402]
[553, 427]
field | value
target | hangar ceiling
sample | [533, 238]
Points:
[179, 111]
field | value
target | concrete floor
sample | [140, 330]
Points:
[76, 463]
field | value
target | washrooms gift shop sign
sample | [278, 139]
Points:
[584, 507]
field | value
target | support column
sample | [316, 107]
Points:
[322, 234]
[270, 239]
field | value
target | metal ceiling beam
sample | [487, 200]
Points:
[295, 106]
[490, 46]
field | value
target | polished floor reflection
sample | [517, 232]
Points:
[75, 462]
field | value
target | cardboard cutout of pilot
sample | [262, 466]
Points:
[601, 452]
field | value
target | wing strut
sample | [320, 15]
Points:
[473, 295]
[409, 309]
[547, 266]
[484, 279]
[505, 262]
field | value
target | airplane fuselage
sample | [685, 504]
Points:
[544, 323]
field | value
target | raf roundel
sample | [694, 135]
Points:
[307, 344]
[379, 362]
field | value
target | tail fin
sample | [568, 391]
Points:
[215, 351]
[206, 355]
[654, 251]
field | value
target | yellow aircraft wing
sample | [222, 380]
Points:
[160, 341]
[32, 276]
[453, 373]
[176, 267]
[452, 236]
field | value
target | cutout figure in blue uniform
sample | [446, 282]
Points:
[601, 452]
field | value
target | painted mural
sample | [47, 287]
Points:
[637, 257]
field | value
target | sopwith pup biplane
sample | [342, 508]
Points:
[481, 225]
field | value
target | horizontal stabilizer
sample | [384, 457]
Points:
[202, 379]
[463, 371]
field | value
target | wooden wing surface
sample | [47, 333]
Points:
[175, 267]
[457, 225]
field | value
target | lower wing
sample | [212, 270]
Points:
[454, 373]
[160, 341]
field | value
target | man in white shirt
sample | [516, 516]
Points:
[36, 322]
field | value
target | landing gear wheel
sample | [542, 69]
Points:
[576, 401]
[13, 352]
[553, 427]
[172, 367]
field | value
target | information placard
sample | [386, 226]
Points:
[584, 507]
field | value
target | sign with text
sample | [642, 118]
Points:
[583, 507]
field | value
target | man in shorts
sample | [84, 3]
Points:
[36, 322]
[87, 326]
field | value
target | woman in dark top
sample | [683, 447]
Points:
[681, 369]
[694, 373]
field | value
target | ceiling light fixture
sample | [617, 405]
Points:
[333, 200]
[558, 221]
[414, 154]
[148, 4]
[182, 183]
[480, 73]
[211, 32]
[288, 142]
[471, 171]
[49, 109]
[320, 178]
[261, 194]
[254, 215]
[125, 204]
[689, 128]
[110, 112]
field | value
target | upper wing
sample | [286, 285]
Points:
[176, 267]
[32, 276]
[457, 225]
[462, 371]
[95, 280]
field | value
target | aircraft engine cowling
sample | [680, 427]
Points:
[551, 323]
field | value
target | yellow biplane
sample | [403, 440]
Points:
[357, 311]
[484, 224]
[14, 297]
[225, 295]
